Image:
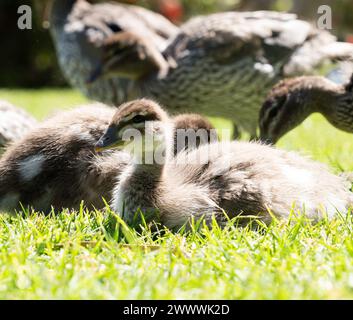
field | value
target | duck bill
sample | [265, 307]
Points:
[267, 140]
[101, 146]
[109, 141]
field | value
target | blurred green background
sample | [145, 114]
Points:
[27, 57]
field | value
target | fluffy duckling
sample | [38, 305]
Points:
[239, 178]
[292, 100]
[55, 164]
[14, 123]
[191, 130]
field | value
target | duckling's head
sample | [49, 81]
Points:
[140, 124]
[191, 130]
[288, 104]
[192, 121]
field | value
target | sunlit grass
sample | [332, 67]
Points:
[89, 256]
[42, 103]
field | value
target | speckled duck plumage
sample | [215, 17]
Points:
[219, 65]
[79, 28]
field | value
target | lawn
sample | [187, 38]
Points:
[88, 256]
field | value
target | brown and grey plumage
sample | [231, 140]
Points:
[79, 29]
[292, 100]
[239, 178]
[218, 65]
[192, 130]
[14, 123]
[55, 165]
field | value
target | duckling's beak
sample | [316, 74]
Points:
[101, 146]
[267, 141]
[109, 141]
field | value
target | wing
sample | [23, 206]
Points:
[80, 33]
[155, 22]
[110, 18]
[270, 37]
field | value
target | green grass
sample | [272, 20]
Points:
[42, 103]
[87, 255]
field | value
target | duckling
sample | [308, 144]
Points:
[191, 130]
[14, 123]
[292, 100]
[54, 165]
[239, 178]
[219, 65]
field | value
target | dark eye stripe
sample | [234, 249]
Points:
[140, 118]
[137, 119]
[273, 112]
[114, 27]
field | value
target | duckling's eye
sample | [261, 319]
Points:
[114, 27]
[273, 112]
[277, 106]
[138, 119]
